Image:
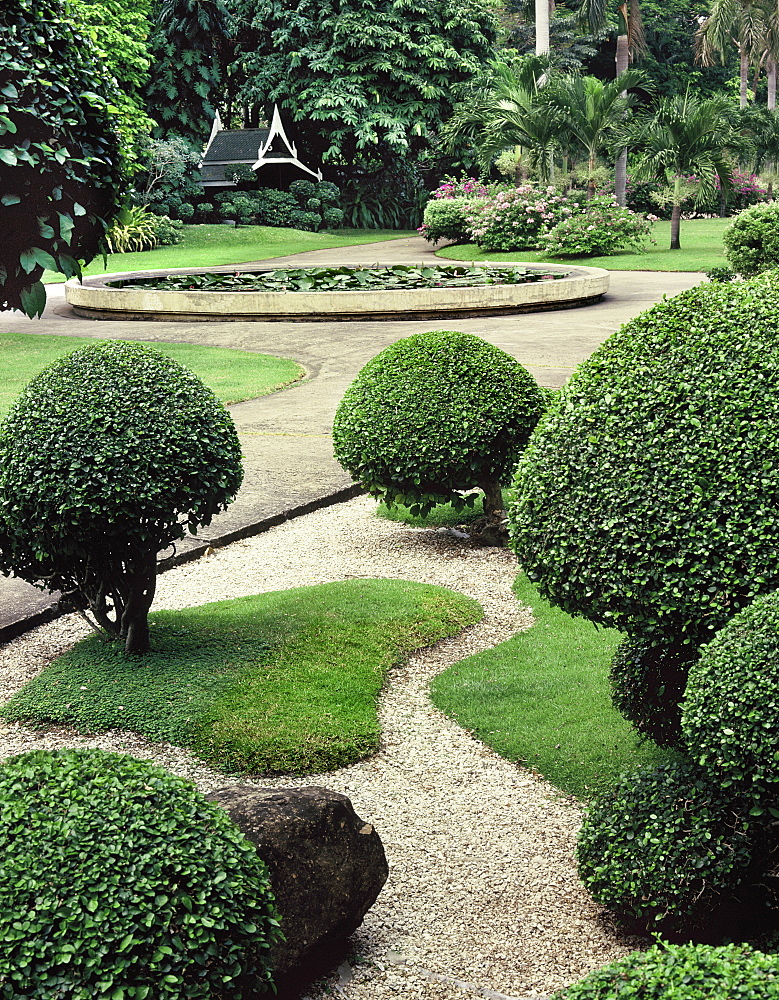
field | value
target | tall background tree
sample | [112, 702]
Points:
[743, 23]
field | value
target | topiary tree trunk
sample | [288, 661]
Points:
[493, 497]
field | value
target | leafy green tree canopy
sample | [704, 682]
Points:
[60, 170]
[373, 76]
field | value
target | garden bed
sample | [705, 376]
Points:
[337, 293]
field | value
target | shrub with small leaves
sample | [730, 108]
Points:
[665, 848]
[731, 707]
[683, 972]
[309, 222]
[752, 239]
[643, 499]
[106, 458]
[445, 219]
[60, 173]
[120, 880]
[171, 231]
[721, 274]
[601, 229]
[435, 414]
[515, 219]
[648, 678]
[332, 218]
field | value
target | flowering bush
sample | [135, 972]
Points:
[601, 228]
[465, 187]
[515, 219]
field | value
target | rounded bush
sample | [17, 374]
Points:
[643, 499]
[121, 880]
[731, 707]
[108, 456]
[752, 239]
[445, 219]
[648, 678]
[435, 414]
[682, 972]
[332, 218]
[665, 847]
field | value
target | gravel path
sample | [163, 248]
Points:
[483, 897]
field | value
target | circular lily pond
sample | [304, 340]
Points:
[342, 279]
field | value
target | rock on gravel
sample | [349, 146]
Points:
[483, 898]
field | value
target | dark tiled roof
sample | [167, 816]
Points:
[236, 145]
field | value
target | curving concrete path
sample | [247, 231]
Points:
[286, 437]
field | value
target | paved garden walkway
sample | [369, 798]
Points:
[286, 436]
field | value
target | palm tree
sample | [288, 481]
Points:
[510, 112]
[745, 22]
[684, 137]
[630, 44]
[591, 111]
[542, 27]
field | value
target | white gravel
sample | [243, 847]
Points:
[483, 897]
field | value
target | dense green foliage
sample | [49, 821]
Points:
[665, 847]
[370, 82]
[286, 682]
[189, 46]
[752, 239]
[92, 488]
[59, 156]
[641, 499]
[648, 678]
[730, 708]
[435, 414]
[446, 219]
[120, 880]
[682, 972]
[305, 206]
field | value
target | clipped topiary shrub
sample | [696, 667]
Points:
[731, 707]
[682, 972]
[641, 501]
[648, 678]
[108, 456]
[752, 239]
[665, 848]
[433, 415]
[445, 219]
[121, 880]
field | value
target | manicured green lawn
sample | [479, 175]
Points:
[208, 246]
[280, 682]
[701, 250]
[233, 375]
[542, 699]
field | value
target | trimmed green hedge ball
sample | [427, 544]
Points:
[121, 881]
[731, 707]
[435, 414]
[665, 847]
[752, 239]
[644, 499]
[683, 972]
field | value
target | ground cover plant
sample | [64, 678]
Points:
[212, 245]
[280, 682]
[541, 699]
[702, 249]
[91, 488]
[231, 375]
[121, 880]
[434, 415]
[341, 279]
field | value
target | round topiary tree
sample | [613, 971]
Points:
[731, 706]
[667, 847]
[434, 415]
[643, 499]
[121, 880]
[108, 455]
[684, 972]
[60, 175]
[752, 239]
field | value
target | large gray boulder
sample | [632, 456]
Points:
[327, 866]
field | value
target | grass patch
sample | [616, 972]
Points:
[275, 683]
[208, 246]
[232, 375]
[542, 699]
[701, 240]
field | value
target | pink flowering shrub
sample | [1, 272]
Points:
[599, 229]
[516, 219]
[465, 187]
